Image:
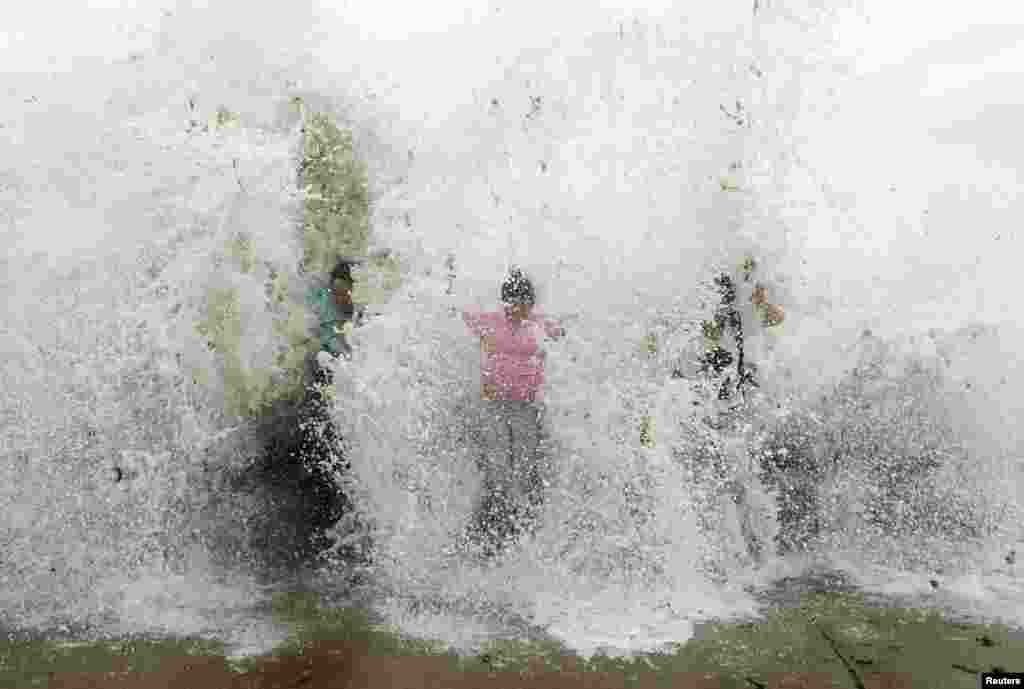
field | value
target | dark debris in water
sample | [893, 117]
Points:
[788, 591]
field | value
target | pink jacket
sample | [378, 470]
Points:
[515, 369]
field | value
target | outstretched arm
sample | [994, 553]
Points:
[552, 327]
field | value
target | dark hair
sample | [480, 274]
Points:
[516, 288]
[343, 270]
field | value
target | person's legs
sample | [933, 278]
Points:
[316, 374]
[495, 445]
[493, 513]
[525, 427]
[740, 497]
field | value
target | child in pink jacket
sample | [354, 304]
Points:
[512, 372]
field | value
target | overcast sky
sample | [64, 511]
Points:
[896, 29]
[927, 75]
[966, 41]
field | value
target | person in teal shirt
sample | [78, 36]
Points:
[335, 309]
[312, 442]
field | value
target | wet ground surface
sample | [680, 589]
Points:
[252, 631]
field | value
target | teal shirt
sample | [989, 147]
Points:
[331, 318]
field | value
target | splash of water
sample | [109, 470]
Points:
[618, 181]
